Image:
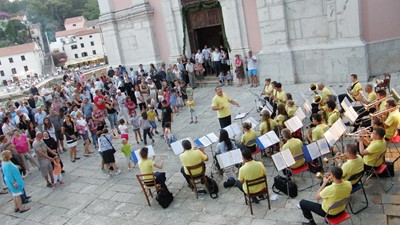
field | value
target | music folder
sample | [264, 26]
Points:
[241, 116]
[267, 139]
[333, 134]
[311, 151]
[300, 113]
[351, 114]
[323, 146]
[268, 107]
[254, 122]
[230, 158]
[206, 140]
[177, 145]
[233, 130]
[283, 159]
[293, 124]
[135, 154]
[346, 104]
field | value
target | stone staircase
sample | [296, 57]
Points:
[210, 80]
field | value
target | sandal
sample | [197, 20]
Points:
[16, 210]
[24, 210]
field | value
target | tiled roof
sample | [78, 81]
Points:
[74, 20]
[17, 49]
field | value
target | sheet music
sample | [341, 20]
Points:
[241, 116]
[307, 106]
[264, 141]
[293, 124]
[212, 137]
[351, 114]
[300, 113]
[150, 153]
[346, 104]
[230, 158]
[230, 131]
[313, 150]
[273, 137]
[236, 129]
[269, 106]
[340, 127]
[288, 157]
[279, 162]
[177, 146]
[323, 146]
[253, 122]
[330, 139]
[205, 141]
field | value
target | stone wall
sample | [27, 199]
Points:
[384, 57]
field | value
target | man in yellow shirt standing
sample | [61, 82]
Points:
[295, 146]
[220, 103]
[191, 157]
[250, 170]
[374, 149]
[392, 122]
[338, 191]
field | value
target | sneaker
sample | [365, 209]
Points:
[103, 170]
[118, 172]
[156, 132]
[191, 121]
[77, 158]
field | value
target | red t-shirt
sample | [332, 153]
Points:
[99, 101]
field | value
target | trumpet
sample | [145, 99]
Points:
[313, 88]
[342, 157]
[321, 176]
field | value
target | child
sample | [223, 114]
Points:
[151, 114]
[229, 78]
[93, 131]
[126, 149]
[221, 78]
[57, 172]
[190, 104]
[169, 137]
[189, 90]
[145, 126]
[135, 120]
[173, 99]
[123, 129]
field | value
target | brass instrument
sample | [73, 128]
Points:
[342, 157]
[382, 112]
[313, 88]
[321, 176]
[372, 104]
[317, 99]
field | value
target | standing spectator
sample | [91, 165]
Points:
[166, 115]
[69, 130]
[145, 126]
[44, 160]
[190, 71]
[39, 117]
[239, 70]
[107, 152]
[252, 69]
[199, 71]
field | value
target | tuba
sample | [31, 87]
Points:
[317, 99]
[313, 88]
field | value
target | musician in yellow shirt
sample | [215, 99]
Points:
[393, 120]
[320, 128]
[376, 148]
[295, 146]
[220, 103]
[334, 114]
[191, 157]
[268, 89]
[335, 192]
[362, 112]
[324, 92]
[290, 108]
[354, 163]
[249, 136]
[353, 90]
[381, 95]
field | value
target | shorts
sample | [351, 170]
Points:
[135, 128]
[128, 158]
[85, 136]
[126, 136]
[164, 122]
[108, 156]
[17, 194]
[252, 72]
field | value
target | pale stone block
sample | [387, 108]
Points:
[263, 14]
[348, 18]
[276, 12]
[314, 27]
[303, 9]
[317, 40]
[332, 30]
[275, 26]
[275, 38]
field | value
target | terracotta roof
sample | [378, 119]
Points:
[74, 20]
[76, 32]
[17, 49]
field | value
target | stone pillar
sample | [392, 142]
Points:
[276, 58]
[105, 6]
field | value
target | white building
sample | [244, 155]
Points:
[16, 62]
[81, 41]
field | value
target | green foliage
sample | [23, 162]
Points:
[16, 32]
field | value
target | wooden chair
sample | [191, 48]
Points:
[263, 192]
[147, 185]
[341, 217]
[380, 170]
[198, 178]
[356, 187]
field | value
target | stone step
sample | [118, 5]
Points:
[210, 80]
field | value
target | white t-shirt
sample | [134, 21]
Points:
[199, 57]
[206, 53]
[123, 129]
[98, 85]
[251, 65]
[216, 56]
[139, 97]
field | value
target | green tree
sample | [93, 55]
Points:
[16, 32]
[92, 10]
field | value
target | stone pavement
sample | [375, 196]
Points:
[89, 197]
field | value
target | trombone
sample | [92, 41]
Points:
[373, 103]
[382, 112]
[359, 133]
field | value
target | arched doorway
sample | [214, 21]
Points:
[204, 24]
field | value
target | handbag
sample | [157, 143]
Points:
[281, 185]
[113, 149]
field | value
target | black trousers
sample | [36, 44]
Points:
[187, 177]
[145, 133]
[342, 96]
[307, 207]
[225, 121]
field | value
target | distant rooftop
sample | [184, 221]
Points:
[17, 49]
[74, 20]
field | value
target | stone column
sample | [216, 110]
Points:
[105, 6]
[276, 58]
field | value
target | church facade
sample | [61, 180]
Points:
[294, 40]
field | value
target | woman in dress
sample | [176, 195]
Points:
[239, 70]
[82, 127]
[199, 71]
[112, 114]
[69, 130]
[13, 180]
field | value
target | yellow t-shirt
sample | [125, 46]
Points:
[250, 171]
[151, 115]
[325, 92]
[291, 110]
[382, 105]
[190, 104]
[219, 101]
[371, 96]
[334, 193]
[280, 119]
[268, 91]
[146, 166]
[351, 167]
[264, 127]
[191, 158]
[333, 117]
[375, 148]
[295, 145]
[248, 136]
[318, 131]
[355, 92]
[281, 97]
[392, 122]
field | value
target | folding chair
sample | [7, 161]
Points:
[380, 170]
[199, 178]
[147, 185]
[263, 192]
[258, 150]
[356, 187]
[341, 217]
[302, 169]
[395, 141]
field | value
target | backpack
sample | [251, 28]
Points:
[212, 187]
[164, 197]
